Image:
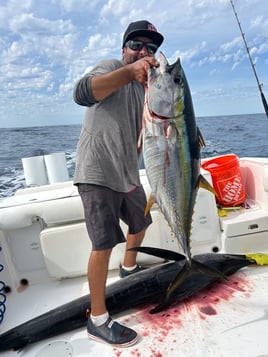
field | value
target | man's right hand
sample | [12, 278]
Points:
[139, 69]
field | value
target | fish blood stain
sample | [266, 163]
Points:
[208, 310]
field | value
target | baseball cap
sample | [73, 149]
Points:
[142, 28]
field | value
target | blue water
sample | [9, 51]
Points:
[244, 135]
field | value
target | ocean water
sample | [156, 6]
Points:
[243, 135]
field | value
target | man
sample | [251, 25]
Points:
[107, 172]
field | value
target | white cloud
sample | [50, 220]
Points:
[115, 7]
[27, 23]
[77, 5]
[232, 45]
[11, 9]
[46, 46]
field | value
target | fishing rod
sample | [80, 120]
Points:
[264, 102]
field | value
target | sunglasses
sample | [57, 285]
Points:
[136, 45]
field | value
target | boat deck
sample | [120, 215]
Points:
[39, 228]
[227, 319]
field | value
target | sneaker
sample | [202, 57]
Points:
[123, 272]
[113, 333]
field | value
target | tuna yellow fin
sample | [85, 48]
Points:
[151, 201]
[206, 185]
[260, 258]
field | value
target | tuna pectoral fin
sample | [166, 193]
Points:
[161, 253]
[151, 201]
[202, 182]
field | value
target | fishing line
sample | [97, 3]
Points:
[260, 85]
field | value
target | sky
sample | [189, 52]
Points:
[47, 45]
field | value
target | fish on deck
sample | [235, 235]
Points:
[146, 287]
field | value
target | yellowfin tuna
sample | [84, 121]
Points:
[171, 151]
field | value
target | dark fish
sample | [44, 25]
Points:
[148, 286]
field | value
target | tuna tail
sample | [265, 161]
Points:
[179, 279]
[203, 268]
[189, 268]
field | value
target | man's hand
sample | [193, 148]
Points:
[105, 84]
[139, 69]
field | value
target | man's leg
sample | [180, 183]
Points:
[100, 202]
[133, 240]
[132, 213]
[100, 325]
[97, 276]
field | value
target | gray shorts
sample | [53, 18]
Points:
[104, 207]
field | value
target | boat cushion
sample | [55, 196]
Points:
[54, 204]
[66, 248]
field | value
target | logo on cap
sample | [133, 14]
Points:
[152, 28]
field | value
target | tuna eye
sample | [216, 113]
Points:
[178, 79]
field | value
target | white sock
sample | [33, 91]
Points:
[129, 268]
[100, 319]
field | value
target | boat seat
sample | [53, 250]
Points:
[54, 204]
[255, 176]
[67, 256]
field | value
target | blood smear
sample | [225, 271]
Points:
[159, 332]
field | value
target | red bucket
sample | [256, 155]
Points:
[227, 180]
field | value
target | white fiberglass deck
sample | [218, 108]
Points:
[41, 226]
[228, 319]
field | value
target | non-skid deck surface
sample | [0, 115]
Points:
[228, 319]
